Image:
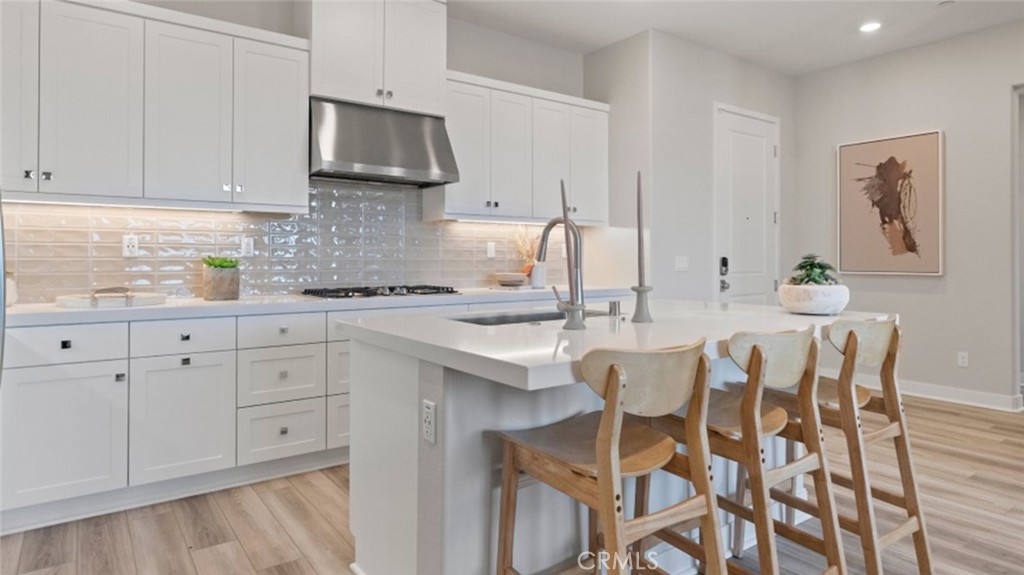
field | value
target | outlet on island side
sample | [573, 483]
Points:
[429, 420]
[248, 247]
[963, 359]
[130, 246]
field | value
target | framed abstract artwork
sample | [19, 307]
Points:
[890, 205]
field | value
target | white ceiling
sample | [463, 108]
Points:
[790, 37]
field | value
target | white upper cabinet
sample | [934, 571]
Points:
[188, 113]
[552, 153]
[415, 48]
[91, 101]
[511, 155]
[381, 52]
[19, 101]
[271, 124]
[469, 128]
[347, 56]
[589, 165]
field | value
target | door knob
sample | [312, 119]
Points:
[239, 188]
[226, 187]
[47, 176]
[390, 94]
[30, 174]
[723, 286]
[380, 92]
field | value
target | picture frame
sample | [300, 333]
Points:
[890, 205]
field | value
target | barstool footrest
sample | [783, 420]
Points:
[888, 432]
[880, 494]
[798, 536]
[804, 465]
[908, 527]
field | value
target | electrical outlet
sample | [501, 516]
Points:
[963, 359]
[490, 250]
[130, 246]
[248, 247]
[429, 421]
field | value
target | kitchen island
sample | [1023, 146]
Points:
[425, 486]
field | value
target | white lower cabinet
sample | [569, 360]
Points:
[338, 418]
[338, 361]
[182, 415]
[64, 431]
[279, 430]
[273, 374]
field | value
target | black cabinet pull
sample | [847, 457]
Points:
[65, 344]
[119, 377]
[186, 337]
[186, 361]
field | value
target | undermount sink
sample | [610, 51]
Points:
[525, 317]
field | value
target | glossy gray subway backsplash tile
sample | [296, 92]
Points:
[353, 235]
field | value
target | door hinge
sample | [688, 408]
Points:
[776, 285]
[775, 218]
[775, 150]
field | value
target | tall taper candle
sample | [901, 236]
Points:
[568, 245]
[640, 230]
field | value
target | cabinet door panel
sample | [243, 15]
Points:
[552, 136]
[286, 373]
[339, 359]
[182, 415]
[271, 124]
[91, 100]
[415, 48]
[469, 127]
[347, 51]
[188, 113]
[64, 431]
[589, 165]
[511, 154]
[339, 415]
[267, 432]
[19, 81]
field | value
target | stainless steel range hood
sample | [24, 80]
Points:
[355, 142]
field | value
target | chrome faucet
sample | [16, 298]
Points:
[574, 308]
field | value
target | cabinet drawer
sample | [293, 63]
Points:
[30, 346]
[338, 366]
[151, 338]
[284, 329]
[338, 418]
[279, 430]
[274, 374]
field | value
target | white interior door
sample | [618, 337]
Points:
[746, 203]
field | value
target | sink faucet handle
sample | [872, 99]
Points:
[558, 296]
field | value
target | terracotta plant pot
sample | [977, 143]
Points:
[814, 299]
[220, 283]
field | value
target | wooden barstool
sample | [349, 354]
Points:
[873, 344]
[740, 424]
[587, 456]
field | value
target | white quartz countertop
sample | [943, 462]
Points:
[26, 315]
[538, 356]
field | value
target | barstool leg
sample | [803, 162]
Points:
[896, 412]
[866, 521]
[764, 526]
[814, 439]
[739, 525]
[643, 486]
[507, 517]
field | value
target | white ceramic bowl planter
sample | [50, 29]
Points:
[813, 290]
[814, 299]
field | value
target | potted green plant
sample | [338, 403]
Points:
[813, 289]
[220, 278]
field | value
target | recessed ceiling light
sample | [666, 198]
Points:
[870, 27]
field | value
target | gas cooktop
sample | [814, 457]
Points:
[349, 292]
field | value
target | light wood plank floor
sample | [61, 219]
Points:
[970, 463]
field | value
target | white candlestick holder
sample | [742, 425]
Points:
[642, 312]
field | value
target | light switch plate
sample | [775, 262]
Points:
[490, 250]
[682, 263]
[428, 418]
[248, 247]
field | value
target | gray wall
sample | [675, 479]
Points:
[273, 15]
[963, 86]
[486, 52]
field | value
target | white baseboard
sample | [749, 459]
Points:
[56, 512]
[1012, 403]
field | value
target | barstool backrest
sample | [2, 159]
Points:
[874, 337]
[785, 354]
[658, 382]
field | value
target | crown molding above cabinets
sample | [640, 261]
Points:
[128, 104]
[514, 144]
[390, 53]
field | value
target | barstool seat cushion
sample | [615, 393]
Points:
[573, 442]
[828, 393]
[724, 414]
